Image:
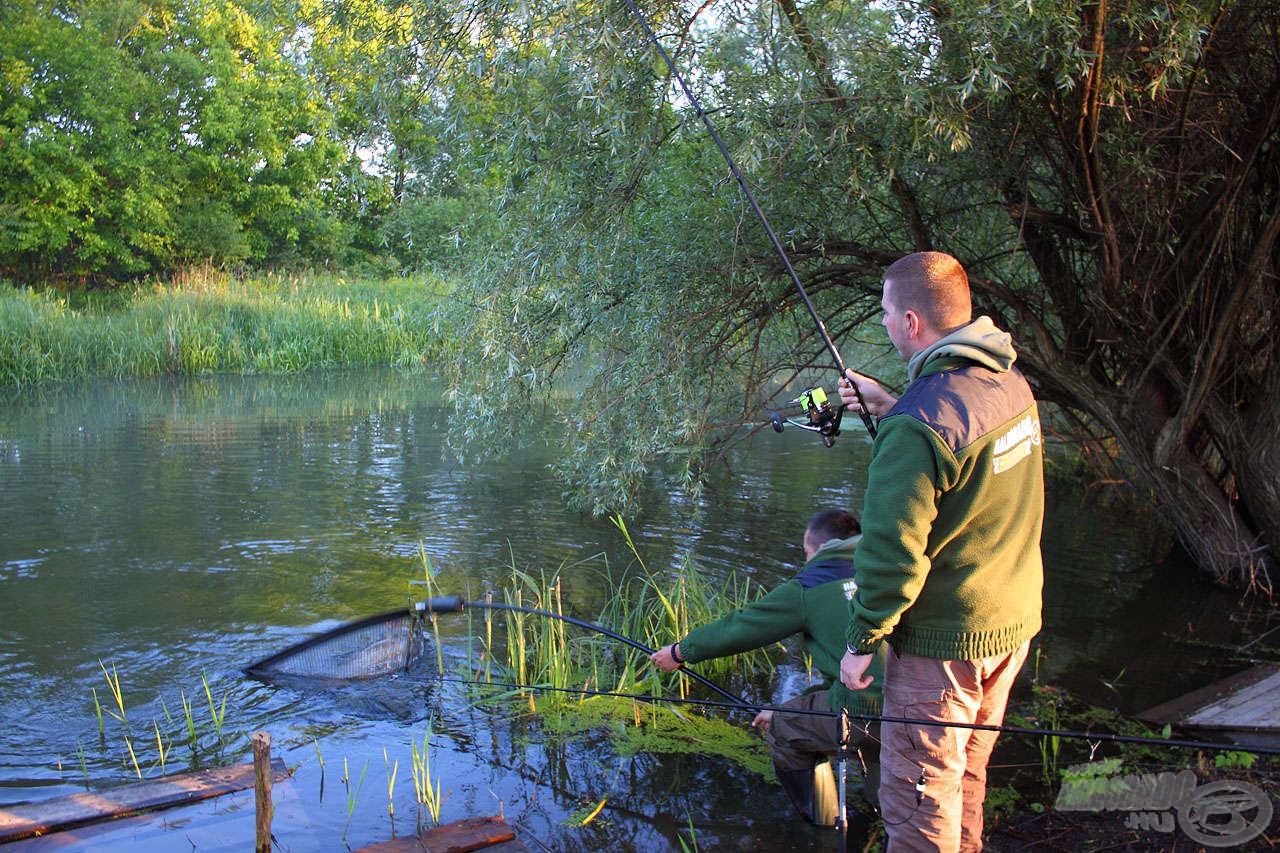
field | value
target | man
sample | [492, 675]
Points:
[949, 570]
[814, 604]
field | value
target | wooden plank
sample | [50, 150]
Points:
[473, 833]
[1176, 711]
[59, 813]
[1254, 706]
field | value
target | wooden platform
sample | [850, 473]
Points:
[473, 833]
[1245, 707]
[62, 813]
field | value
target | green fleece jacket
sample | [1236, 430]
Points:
[949, 565]
[814, 604]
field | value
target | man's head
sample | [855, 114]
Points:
[827, 525]
[926, 297]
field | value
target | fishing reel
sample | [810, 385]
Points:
[819, 415]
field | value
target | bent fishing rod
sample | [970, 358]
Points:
[834, 428]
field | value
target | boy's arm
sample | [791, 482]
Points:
[772, 617]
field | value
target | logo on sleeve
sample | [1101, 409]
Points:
[1015, 445]
[850, 587]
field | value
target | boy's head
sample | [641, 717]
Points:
[827, 525]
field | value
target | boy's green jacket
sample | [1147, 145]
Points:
[815, 604]
[949, 564]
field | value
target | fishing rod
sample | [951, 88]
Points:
[1090, 737]
[827, 422]
[335, 655]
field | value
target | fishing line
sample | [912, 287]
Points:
[764, 221]
[380, 645]
[1092, 738]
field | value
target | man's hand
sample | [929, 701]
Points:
[664, 659]
[762, 720]
[878, 400]
[852, 669]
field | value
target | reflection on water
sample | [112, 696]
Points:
[178, 529]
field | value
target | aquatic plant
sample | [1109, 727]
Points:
[543, 652]
[113, 683]
[217, 713]
[690, 846]
[352, 796]
[426, 789]
[208, 322]
[661, 609]
[392, 771]
[136, 752]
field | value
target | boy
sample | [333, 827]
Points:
[815, 604]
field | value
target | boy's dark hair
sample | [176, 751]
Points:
[832, 524]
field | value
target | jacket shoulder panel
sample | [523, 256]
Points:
[966, 404]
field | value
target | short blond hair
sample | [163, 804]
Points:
[935, 286]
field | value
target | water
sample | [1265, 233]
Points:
[171, 531]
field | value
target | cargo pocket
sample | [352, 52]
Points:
[940, 740]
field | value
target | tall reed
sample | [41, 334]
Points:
[425, 787]
[211, 322]
[136, 749]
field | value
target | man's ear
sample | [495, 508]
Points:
[911, 323]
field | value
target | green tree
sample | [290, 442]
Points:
[138, 136]
[1107, 171]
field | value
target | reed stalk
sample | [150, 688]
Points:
[352, 796]
[392, 771]
[217, 713]
[133, 756]
[161, 748]
[430, 587]
[426, 789]
[117, 693]
[84, 765]
[97, 710]
[189, 717]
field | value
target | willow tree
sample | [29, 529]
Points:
[1109, 173]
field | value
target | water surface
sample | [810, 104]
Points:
[172, 531]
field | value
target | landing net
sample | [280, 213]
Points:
[372, 647]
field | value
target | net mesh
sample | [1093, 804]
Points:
[380, 645]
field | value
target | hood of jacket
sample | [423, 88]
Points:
[835, 549]
[979, 341]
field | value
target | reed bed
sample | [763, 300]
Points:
[214, 323]
[540, 652]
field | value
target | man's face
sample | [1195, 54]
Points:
[895, 322]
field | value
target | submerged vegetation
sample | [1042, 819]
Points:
[573, 683]
[147, 750]
[212, 322]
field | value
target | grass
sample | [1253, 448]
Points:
[206, 741]
[651, 609]
[427, 789]
[207, 322]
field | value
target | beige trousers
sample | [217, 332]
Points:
[952, 762]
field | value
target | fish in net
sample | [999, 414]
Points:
[379, 645]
